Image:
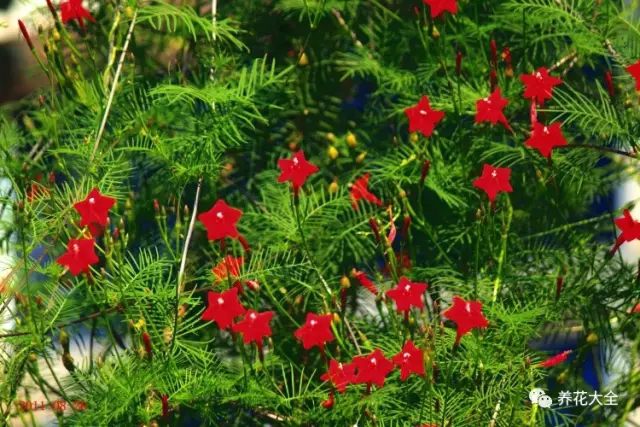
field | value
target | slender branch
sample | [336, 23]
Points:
[114, 86]
[183, 261]
[599, 148]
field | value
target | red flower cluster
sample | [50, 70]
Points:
[373, 368]
[225, 307]
[94, 213]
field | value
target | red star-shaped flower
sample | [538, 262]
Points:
[340, 375]
[79, 256]
[407, 294]
[254, 326]
[410, 360]
[73, 9]
[94, 209]
[494, 180]
[545, 138]
[629, 229]
[220, 221]
[229, 267]
[360, 191]
[372, 368]
[422, 118]
[634, 70]
[489, 109]
[223, 308]
[296, 169]
[555, 360]
[467, 315]
[316, 331]
[539, 85]
[439, 6]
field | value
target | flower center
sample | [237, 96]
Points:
[76, 248]
[406, 355]
[487, 100]
[546, 130]
[494, 173]
[220, 301]
[253, 316]
[423, 112]
[313, 322]
[92, 201]
[219, 215]
[295, 161]
[407, 288]
[467, 307]
[538, 75]
[374, 361]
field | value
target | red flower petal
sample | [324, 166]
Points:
[634, 70]
[254, 326]
[297, 170]
[316, 331]
[422, 117]
[467, 315]
[629, 229]
[546, 138]
[73, 9]
[94, 209]
[360, 191]
[494, 180]
[439, 6]
[408, 294]
[372, 368]
[220, 221]
[410, 360]
[539, 85]
[489, 109]
[340, 375]
[223, 308]
[79, 256]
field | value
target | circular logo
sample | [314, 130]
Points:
[545, 401]
[535, 394]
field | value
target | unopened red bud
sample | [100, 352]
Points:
[52, 9]
[494, 53]
[608, 81]
[156, 205]
[493, 79]
[559, 285]
[165, 405]
[406, 224]
[458, 63]
[254, 285]
[116, 233]
[146, 340]
[425, 171]
[373, 223]
[25, 33]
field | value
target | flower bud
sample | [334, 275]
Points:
[25, 33]
[352, 141]
[332, 152]
[361, 157]
[345, 283]
[333, 187]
